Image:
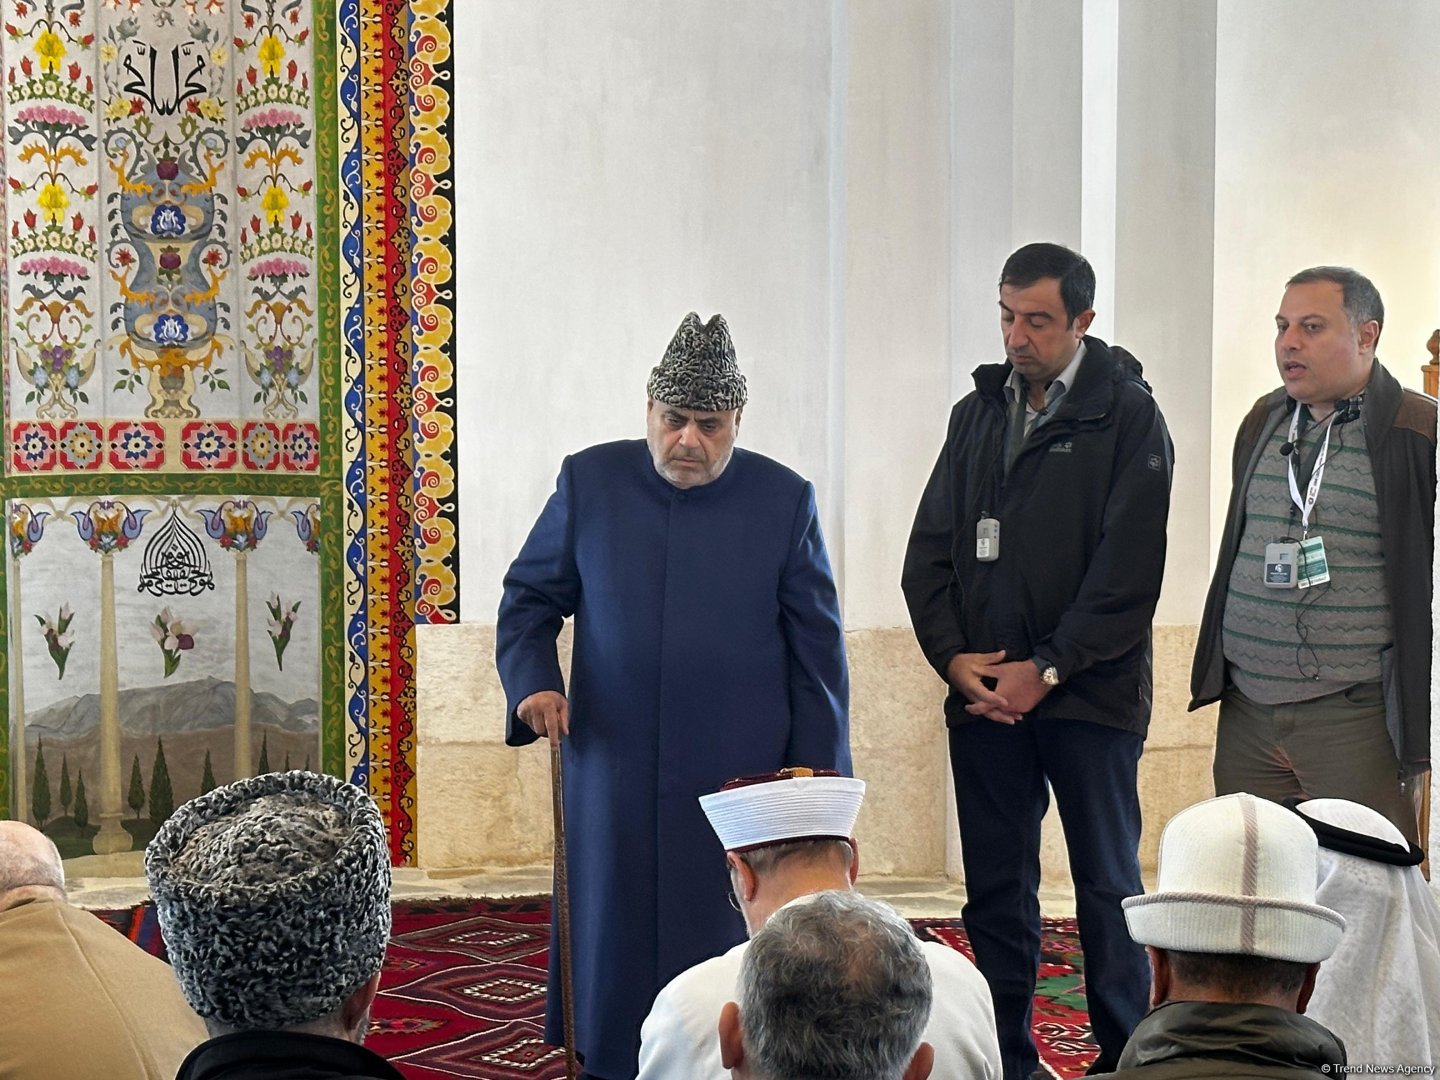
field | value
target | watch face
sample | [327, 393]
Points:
[1050, 677]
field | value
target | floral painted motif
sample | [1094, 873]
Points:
[58, 638]
[137, 445]
[301, 447]
[173, 637]
[209, 445]
[34, 447]
[49, 155]
[260, 445]
[278, 626]
[274, 101]
[108, 526]
[81, 445]
[237, 524]
[307, 527]
[26, 528]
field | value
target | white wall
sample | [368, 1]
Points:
[618, 165]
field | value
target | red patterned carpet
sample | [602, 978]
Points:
[463, 992]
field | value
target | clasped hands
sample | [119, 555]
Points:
[1018, 686]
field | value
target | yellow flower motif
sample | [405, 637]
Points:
[218, 55]
[53, 201]
[108, 53]
[50, 49]
[274, 204]
[271, 53]
[117, 109]
[211, 109]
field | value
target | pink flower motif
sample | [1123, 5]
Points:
[51, 114]
[273, 117]
[277, 266]
[53, 266]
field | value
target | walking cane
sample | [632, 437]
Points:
[562, 909]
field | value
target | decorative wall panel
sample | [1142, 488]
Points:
[226, 297]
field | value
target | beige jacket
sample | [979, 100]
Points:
[80, 1002]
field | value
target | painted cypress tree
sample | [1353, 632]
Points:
[287, 760]
[162, 799]
[40, 787]
[137, 788]
[307, 762]
[66, 797]
[207, 780]
[264, 765]
[82, 807]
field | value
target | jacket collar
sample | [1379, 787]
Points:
[1383, 394]
[1093, 394]
[250, 1055]
[1259, 1034]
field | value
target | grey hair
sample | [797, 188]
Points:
[810, 851]
[1361, 299]
[28, 858]
[834, 988]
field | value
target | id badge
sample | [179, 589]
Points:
[1314, 568]
[1281, 558]
[987, 539]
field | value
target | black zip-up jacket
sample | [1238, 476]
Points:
[283, 1055]
[1082, 540]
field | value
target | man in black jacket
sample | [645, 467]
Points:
[1032, 573]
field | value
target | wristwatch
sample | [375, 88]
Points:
[1048, 675]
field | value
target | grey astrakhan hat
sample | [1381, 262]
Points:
[1237, 875]
[698, 370]
[273, 895]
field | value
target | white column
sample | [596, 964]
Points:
[1165, 258]
[244, 758]
[113, 836]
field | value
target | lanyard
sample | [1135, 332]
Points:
[1312, 490]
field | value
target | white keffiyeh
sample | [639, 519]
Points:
[1380, 991]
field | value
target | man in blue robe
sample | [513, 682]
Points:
[707, 645]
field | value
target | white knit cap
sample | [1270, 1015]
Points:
[793, 804]
[1237, 875]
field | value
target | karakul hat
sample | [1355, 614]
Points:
[698, 370]
[273, 895]
[1237, 875]
[792, 804]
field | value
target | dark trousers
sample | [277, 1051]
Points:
[1001, 793]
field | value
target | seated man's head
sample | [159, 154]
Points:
[1233, 917]
[273, 894]
[834, 986]
[30, 866]
[786, 834]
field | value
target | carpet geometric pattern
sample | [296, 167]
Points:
[463, 990]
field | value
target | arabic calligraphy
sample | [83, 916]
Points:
[155, 75]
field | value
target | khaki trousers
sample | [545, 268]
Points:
[1331, 747]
